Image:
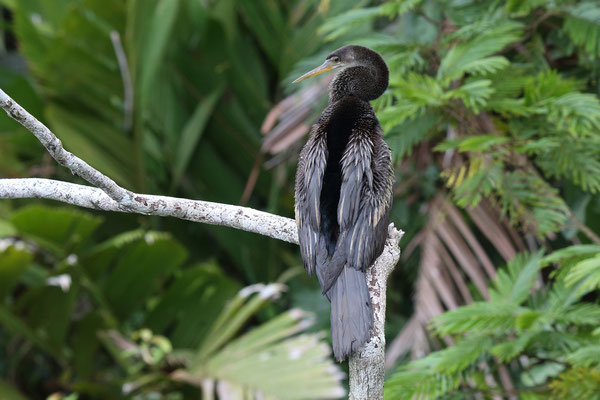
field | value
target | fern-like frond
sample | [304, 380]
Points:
[478, 143]
[586, 273]
[485, 66]
[419, 380]
[399, 7]
[471, 184]
[530, 200]
[456, 358]
[414, 94]
[478, 317]
[473, 94]
[464, 56]
[576, 383]
[575, 158]
[577, 113]
[586, 356]
[514, 283]
[580, 314]
[510, 349]
[583, 26]
[343, 23]
[402, 137]
[577, 252]
[402, 61]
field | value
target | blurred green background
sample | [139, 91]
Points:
[494, 121]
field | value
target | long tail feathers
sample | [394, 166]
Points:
[332, 270]
[351, 312]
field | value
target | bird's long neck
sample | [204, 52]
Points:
[367, 82]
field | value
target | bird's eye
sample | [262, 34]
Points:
[335, 59]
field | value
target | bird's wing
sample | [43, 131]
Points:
[365, 202]
[309, 179]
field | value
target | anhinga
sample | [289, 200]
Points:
[344, 192]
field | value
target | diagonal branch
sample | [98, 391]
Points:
[124, 197]
[366, 365]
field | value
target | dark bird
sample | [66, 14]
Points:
[344, 192]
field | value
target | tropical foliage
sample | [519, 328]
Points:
[164, 97]
[128, 313]
[499, 99]
[493, 117]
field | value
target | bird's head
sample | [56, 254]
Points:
[346, 56]
[364, 74]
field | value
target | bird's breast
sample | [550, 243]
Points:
[340, 119]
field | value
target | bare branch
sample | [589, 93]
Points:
[54, 146]
[367, 365]
[243, 218]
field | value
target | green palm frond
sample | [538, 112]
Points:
[274, 360]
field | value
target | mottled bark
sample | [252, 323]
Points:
[367, 366]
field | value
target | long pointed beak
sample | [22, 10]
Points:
[328, 65]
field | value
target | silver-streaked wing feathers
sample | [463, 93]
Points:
[367, 190]
[365, 202]
[309, 180]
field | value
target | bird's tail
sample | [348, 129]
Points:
[351, 312]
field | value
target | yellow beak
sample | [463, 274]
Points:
[328, 65]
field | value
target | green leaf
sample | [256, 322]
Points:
[203, 287]
[541, 373]
[575, 158]
[530, 200]
[587, 272]
[578, 113]
[192, 132]
[343, 23]
[10, 4]
[16, 326]
[246, 364]
[580, 314]
[7, 229]
[586, 356]
[527, 319]
[9, 392]
[478, 143]
[245, 304]
[478, 317]
[13, 262]
[470, 55]
[577, 251]
[473, 94]
[419, 380]
[250, 360]
[576, 383]
[63, 229]
[84, 339]
[106, 148]
[155, 45]
[583, 26]
[514, 283]
[459, 356]
[485, 66]
[139, 268]
[403, 137]
[399, 7]
[49, 309]
[511, 349]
